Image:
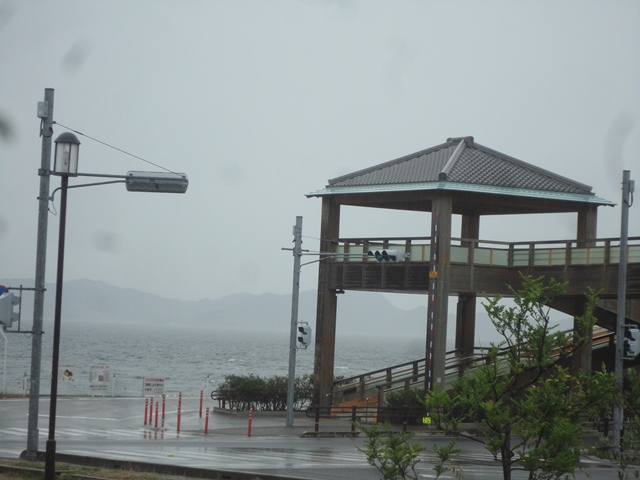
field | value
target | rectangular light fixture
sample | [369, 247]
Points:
[161, 182]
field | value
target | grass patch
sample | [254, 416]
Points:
[30, 470]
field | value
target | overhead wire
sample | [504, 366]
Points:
[115, 148]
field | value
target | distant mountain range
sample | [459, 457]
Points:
[89, 301]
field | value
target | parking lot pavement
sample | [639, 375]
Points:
[127, 416]
[120, 432]
[105, 419]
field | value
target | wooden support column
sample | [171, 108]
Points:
[437, 309]
[587, 225]
[587, 230]
[325, 345]
[466, 311]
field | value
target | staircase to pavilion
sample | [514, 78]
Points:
[369, 389]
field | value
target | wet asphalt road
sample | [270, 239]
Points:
[114, 429]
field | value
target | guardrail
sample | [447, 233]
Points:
[494, 253]
[364, 415]
[333, 420]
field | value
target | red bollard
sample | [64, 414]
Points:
[150, 410]
[146, 408]
[250, 420]
[201, 395]
[179, 410]
[206, 422]
[163, 402]
[156, 415]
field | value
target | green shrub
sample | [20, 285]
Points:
[405, 398]
[243, 392]
[396, 457]
[403, 407]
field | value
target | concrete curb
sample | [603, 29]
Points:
[175, 470]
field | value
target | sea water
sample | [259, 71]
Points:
[188, 360]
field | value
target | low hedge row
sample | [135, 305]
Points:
[244, 392]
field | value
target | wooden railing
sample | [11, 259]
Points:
[370, 388]
[494, 253]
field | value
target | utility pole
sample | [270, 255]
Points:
[627, 191]
[45, 113]
[295, 295]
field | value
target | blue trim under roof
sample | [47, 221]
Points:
[462, 187]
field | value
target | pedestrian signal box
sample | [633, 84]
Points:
[631, 342]
[8, 315]
[304, 336]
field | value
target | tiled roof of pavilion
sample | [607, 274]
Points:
[462, 164]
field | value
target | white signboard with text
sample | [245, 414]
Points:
[65, 373]
[99, 378]
[152, 386]
[66, 379]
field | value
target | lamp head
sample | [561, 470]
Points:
[161, 182]
[66, 155]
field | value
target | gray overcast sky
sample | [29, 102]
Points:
[260, 102]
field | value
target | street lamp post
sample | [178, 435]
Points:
[65, 165]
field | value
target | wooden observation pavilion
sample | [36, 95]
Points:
[459, 177]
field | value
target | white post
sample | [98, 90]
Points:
[4, 372]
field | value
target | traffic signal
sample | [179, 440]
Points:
[388, 255]
[7, 313]
[631, 342]
[304, 335]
